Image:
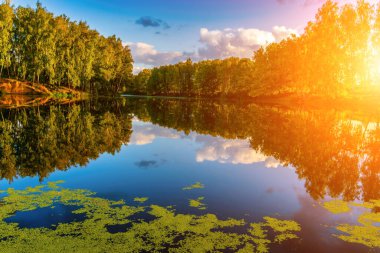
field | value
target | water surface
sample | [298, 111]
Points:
[237, 161]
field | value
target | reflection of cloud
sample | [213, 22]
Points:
[142, 139]
[146, 134]
[146, 164]
[212, 148]
[231, 151]
[271, 162]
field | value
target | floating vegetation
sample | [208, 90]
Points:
[167, 231]
[197, 185]
[197, 203]
[285, 227]
[368, 232]
[140, 200]
[337, 206]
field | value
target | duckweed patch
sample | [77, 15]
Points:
[197, 203]
[140, 200]
[197, 185]
[368, 232]
[167, 231]
[337, 206]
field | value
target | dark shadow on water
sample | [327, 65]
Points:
[46, 217]
[136, 218]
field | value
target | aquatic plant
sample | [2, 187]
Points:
[197, 203]
[368, 232]
[140, 200]
[168, 231]
[197, 185]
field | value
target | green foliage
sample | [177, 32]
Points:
[6, 23]
[54, 50]
[167, 231]
[336, 54]
[59, 95]
[368, 232]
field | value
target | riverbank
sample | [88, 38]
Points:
[358, 100]
[15, 94]
[12, 86]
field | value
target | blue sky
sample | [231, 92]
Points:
[166, 31]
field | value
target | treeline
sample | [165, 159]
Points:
[37, 46]
[205, 78]
[337, 55]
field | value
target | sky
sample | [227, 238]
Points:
[168, 31]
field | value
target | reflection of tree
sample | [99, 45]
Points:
[324, 150]
[38, 141]
[336, 155]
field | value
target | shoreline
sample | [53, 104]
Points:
[288, 100]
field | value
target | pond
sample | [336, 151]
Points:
[142, 174]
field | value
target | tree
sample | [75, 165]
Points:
[6, 25]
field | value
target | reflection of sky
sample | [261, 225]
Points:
[159, 162]
[231, 151]
[145, 134]
[211, 148]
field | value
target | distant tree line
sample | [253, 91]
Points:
[39, 47]
[337, 55]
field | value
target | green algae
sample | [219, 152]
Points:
[141, 200]
[287, 228]
[197, 203]
[367, 232]
[337, 206]
[197, 185]
[168, 231]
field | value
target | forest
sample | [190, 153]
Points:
[338, 55]
[37, 46]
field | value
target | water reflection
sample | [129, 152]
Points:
[335, 153]
[231, 151]
[38, 141]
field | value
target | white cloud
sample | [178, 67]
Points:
[137, 68]
[144, 53]
[238, 42]
[214, 44]
[282, 32]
